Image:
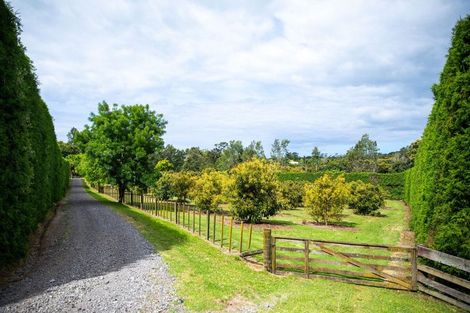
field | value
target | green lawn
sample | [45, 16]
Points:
[209, 280]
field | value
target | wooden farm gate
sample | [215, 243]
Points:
[364, 264]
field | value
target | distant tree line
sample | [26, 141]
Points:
[33, 174]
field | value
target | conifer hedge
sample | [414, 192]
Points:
[438, 186]
[33, 174]
[392, 183]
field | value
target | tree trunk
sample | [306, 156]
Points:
[122, 190]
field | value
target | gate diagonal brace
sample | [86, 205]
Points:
[369, 268]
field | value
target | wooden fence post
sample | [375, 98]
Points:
[213, 227]
[176, 212]
[208, 224]
[414, 262]
[132, 198]
[241, 237]
[273, 255]
[156, 206]
[183, 212]
[200, 210]
[307, 258]
[194, 219]
[230, 235]
[222, 232]
[249, 236]
[267, 254]
[141, 201]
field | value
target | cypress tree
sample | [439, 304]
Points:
[438, 186]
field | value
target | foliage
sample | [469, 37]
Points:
[231, 155]
[180, 184]
[173, 155]
[163, 166]
[437, 187]
[291, 194]
[195, 160]
[279, 151]
[33, 174]
[120, 144]
[316, 159]
[253, 150]
[363, 156]
[162, 187]
[254, 190]
[326, 198]
[366, 198]
[209, 190]
[392, 183]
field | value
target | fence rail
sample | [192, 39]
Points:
[439, 284]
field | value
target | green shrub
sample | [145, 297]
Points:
[253, 191]
[291, 194]
[326, 198]
[366, 198]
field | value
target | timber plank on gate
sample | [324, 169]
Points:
[382, 284]
[369, 268]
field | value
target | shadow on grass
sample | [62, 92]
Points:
[278, 222]
[159, 233]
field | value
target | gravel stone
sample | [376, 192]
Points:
[92, 260]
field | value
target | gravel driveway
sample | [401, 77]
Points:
[92, 261]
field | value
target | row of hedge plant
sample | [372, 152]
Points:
[33, 174]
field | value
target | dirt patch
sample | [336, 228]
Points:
[240, 304]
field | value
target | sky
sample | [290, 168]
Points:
[318, 73]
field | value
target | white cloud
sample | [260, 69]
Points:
[315, 72]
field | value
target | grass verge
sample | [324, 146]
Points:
[209, 280]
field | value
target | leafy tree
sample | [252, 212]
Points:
[214, 154]
[68, 148]
[181, 184]
[437, 187]
[163, 166]
[366, 198]
[195, 160]
[363, 156]
[119, 145]
[163, 186]
[209, 190]
[279, 150]
[231, 155]
[316, 158]
[326, 198]
[253, 150]
[173, 155]
[290, 194]
[254, 190]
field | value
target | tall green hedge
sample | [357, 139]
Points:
[393, 183]
[438, 186]
[33, 174]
